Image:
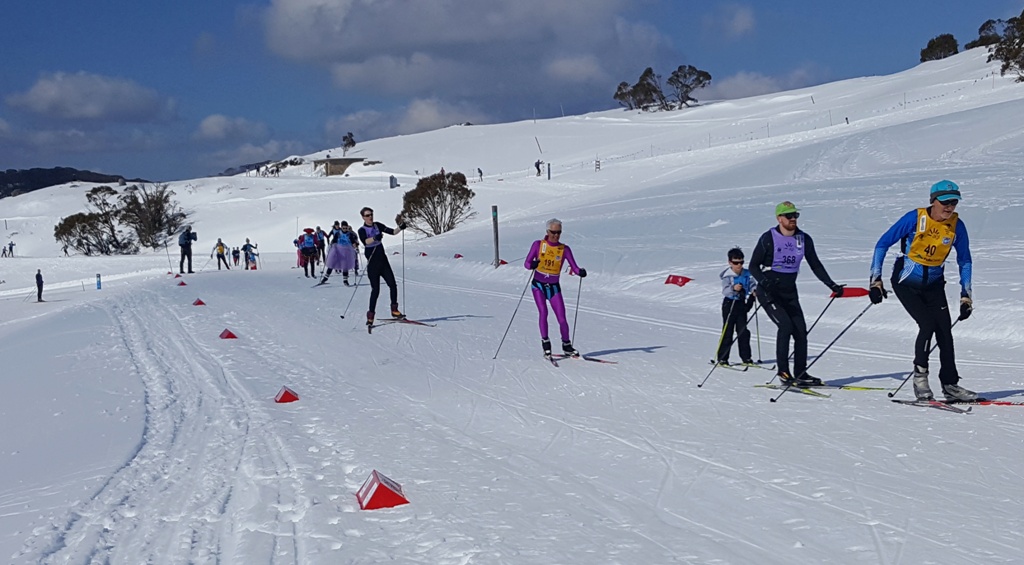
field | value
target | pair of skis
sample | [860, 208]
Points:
[554, 359]
[741, 367]
[385, 321]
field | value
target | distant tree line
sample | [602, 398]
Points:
[20, 181]
[647, 94]
[1003, 38]
[121, 224]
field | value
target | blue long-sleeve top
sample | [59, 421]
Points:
[729, 278]
[914, 274]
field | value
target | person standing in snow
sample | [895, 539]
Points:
[342, 256]
[775, 264]
[545, 260]
[308, 251]
[321, 244]
[221, 250]
[737, 285]
[185, 243]
[926, 237]
[249, 252]
[235, 255]
[377, 264]
[39, 285]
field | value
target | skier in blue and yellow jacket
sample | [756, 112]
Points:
[926, 236]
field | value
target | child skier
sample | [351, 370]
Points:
[738, 289]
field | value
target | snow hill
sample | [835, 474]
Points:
[135, 435]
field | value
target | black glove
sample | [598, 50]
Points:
[877, 292]
[402, 225]
[966, 307]
[534, 263]
[750, 302]
[583, 273]
[837, 290]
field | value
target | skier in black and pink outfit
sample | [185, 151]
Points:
[775, 264]
[545, 260]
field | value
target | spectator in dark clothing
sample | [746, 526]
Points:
[185, 242]
[39, 285]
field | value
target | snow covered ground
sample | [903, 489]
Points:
[134, 435]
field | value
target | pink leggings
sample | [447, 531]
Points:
[543, 293]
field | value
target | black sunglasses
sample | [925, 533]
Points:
[791, 215]
[553, 232]
[370, 215]
[951, 203]
[740, 262]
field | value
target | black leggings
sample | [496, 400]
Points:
[376, 268]
[787, 314]
[734, 317]
[186, 253]
[928, 307]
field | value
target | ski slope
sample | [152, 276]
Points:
[135, 435]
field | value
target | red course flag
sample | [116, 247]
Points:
[678, 280]
[422, 254]
[852, 292]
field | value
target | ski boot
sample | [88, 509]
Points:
[569, 350]
[806, 381]
[396, 313]
[921, 389]
[344, 281]
[546, 344]
[957, 393]
[369, 317]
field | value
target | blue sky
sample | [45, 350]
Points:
[177, 90]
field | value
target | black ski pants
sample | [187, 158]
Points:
[376, 267]
[787, 314]
[222, 259]
[734, 319]
[929, 308]
[186, 253]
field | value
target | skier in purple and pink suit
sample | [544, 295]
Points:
[545, 260]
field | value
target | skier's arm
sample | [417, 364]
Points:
[567, 256]
[816, 267]
[533, 254]
[727, 284]
[962, 245]
[759, 256]
[903, 227]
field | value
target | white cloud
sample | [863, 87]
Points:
[490, 53]
[420, 115]
[251, 153]
[218, 127]
[744, 84]
[5, 128]
[731, 21]
[87, 96]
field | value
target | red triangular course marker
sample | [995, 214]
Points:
[458, 255]
[177, 276]
[226, 334]
[380, 492]
[182, 283]
[199, 302]
[679, 280]
[286, 395]
[422, 254]
[169, 273]
[502, 262]
[852, 292]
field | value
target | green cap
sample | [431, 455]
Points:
[785, 208]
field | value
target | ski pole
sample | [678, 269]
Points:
[721, 337]
[355, 287]
[528, 281]
[848, 326]
[403, 272]
[757, 328]
[911, 374]
[790, 358]
[577, 314]
[170, 266]
[206, 263]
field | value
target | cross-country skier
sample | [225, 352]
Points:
[221, 250]
[308, 251]
[249, 251]
[926, 237]
[377, 264]
[342, 255]
[738, 287]
[545, 260]
[775, 264]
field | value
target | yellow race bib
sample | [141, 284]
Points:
[550, 258]
[932, 240]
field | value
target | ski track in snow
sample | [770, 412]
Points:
[197, 507]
